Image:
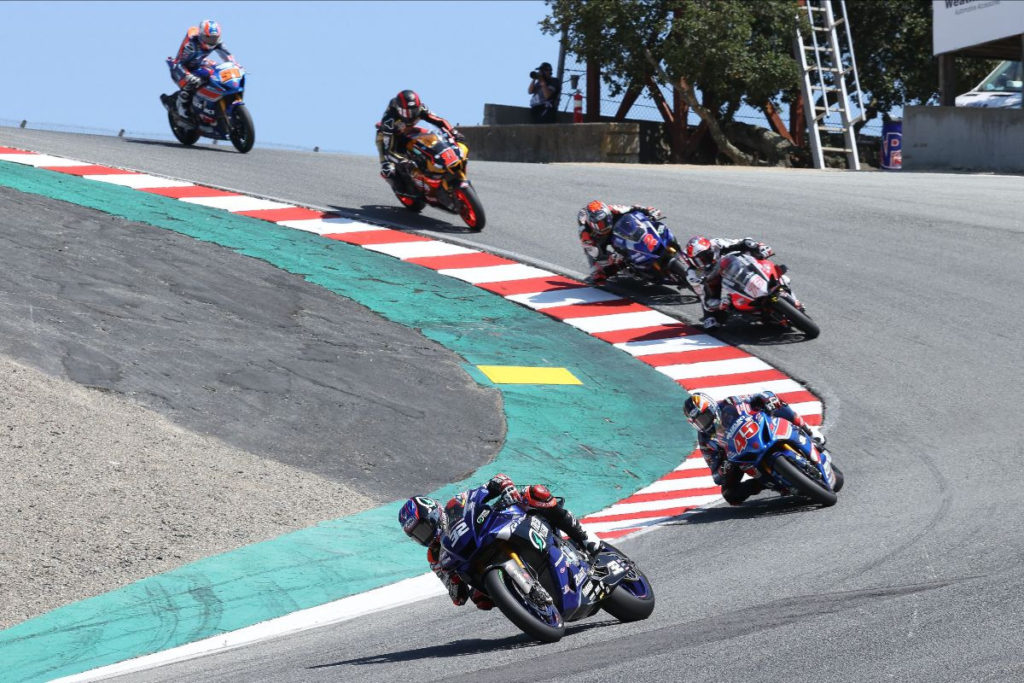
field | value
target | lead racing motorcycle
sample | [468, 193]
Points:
[217, 110]
[758, 289]
[435, 167]
[538, 579]
[785, 459]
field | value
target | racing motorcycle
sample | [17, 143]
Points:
[538, 579]
[435, 166]
[649, 249]
[217, 109]
[785, 459]
[759, 289]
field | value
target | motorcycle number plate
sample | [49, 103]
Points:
[449, 156]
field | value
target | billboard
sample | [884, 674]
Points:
[963, 23]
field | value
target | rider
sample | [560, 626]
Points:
[198, 43]
[595, 222]
[403, 111]
[703, 256]
[424, 521]
[712, 420]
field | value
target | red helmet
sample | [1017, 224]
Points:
[599, 218]
[209, 34]
[408, 105]
[700, 252]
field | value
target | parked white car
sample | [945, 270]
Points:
[1001, 89]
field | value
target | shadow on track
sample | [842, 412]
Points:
[770, 505]
[459, 648]
[208, 147]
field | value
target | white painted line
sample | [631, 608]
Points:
[779, 386]
[387, 597]
[645, 523]
[681, 485]
[652, 506]
[714, 367]
[42, 160]
[692, 464]
[236, 203]
[670, 345]
[502, 273]
[330, 226]
[620, 321]
[808, 408]
[408, 250]
[138, 181]
[563, 297]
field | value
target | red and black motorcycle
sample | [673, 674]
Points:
[759, 289]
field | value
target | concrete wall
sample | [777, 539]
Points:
[554, 142]
[963, 138]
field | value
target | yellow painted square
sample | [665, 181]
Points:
[515, 374]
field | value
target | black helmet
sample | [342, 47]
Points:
[408, 105]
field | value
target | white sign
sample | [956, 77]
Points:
[963, 23]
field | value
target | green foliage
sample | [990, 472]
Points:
[731, 50]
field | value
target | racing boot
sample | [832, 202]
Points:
[577, 534]
[182, 108]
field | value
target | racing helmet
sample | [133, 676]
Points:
[209, 34]
[420, 518]
[599, 218]
[702, 412]
[700, 252]
[408, 105]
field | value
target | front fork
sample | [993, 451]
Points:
[516, 569]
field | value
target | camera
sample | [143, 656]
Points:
[534, 75]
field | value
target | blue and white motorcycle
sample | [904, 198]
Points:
[649, 249]
[785, 459]
[217, 110]
[536, 578]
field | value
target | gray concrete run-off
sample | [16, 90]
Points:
[226, 402]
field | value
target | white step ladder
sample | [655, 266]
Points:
[828, 65]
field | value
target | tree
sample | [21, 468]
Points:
[731, 51]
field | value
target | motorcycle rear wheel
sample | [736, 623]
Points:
[625, 605]
[803, 484]
[796, 318]
[243, 132]
[509, 599]
[186, 136]
[470, 208]
[678, 270]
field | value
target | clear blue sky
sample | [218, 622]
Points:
[319, 73]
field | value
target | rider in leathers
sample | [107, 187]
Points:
[536, 497]
[704, 274]
[198, 43]
[403, 111]
[595, 222]
[712, 420]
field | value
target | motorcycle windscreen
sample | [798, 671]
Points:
[743, 275]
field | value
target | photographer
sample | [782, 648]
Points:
[544, 91]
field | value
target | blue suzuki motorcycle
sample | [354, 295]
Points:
[536, 578]
[217, 109]
[783, 457]
[650, 250]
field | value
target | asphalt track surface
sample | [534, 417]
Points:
[914, 575]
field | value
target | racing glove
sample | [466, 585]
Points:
[457, 590]
[655, 214]
[191, 82]
[458, 136]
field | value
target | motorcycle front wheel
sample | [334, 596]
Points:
[541, 622]
[803, 484]
[470, 208]
[796, 318]
[243, 133]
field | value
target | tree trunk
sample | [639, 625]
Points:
[724, 146]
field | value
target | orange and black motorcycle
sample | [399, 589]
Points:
[436, 173]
